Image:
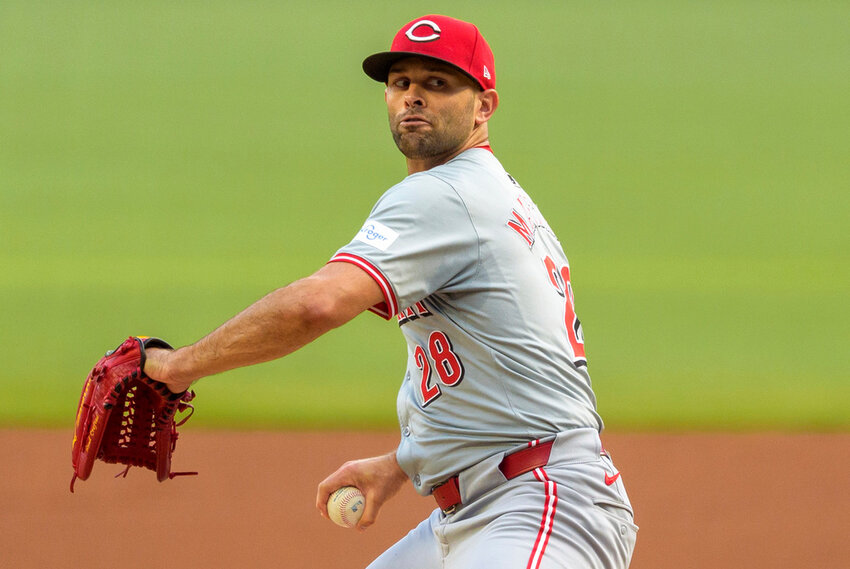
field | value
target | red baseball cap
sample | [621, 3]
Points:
[443, 38]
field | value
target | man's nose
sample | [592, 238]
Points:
[413, 98]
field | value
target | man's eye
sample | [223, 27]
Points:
[436, 82]
[401, 83]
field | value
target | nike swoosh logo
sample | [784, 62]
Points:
[611, 479]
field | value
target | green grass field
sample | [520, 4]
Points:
[162, 165]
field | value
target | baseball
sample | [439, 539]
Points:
[345, 506]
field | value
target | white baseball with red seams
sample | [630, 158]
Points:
[345, 506]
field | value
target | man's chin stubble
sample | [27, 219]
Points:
[418, 147]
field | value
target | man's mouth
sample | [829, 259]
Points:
[413, 121]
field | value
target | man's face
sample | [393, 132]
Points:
[431, 107]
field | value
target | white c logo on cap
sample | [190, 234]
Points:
[435, 29]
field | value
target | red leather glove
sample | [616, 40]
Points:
[125, 417]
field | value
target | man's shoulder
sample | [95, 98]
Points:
[463, 178]
[422, 191]
[418, 186]
[472, 160]
[472, 170]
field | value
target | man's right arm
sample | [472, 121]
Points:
[274, 326]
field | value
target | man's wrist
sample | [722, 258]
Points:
[159, 365]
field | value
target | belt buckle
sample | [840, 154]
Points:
[448, 492]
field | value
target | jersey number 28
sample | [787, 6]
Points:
[446, 364]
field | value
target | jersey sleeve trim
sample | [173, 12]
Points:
[387, 309]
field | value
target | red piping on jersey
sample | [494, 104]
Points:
[389, 307]
[485, 147]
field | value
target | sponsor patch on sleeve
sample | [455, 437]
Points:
[377, 235]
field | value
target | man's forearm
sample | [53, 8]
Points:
[274, 326]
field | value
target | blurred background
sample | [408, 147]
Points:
[165, 164]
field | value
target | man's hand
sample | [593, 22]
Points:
[379, 478]
[156, 367]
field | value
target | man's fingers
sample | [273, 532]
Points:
[330, 485]
[321, 505]
[322, 494]
[370, 514]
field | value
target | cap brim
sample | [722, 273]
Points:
[377, 66]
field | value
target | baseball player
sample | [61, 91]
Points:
[497, 417]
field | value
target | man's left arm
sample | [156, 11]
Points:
[274, 326]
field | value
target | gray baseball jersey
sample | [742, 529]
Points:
[481, 288]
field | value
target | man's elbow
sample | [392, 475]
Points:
[326, 309]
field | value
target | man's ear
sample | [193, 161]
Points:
[488, 101]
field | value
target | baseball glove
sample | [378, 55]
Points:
[125, 417]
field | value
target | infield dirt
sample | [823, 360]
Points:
[702, 501]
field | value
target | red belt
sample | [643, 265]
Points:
[447, 494]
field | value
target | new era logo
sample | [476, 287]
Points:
[486, 73]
